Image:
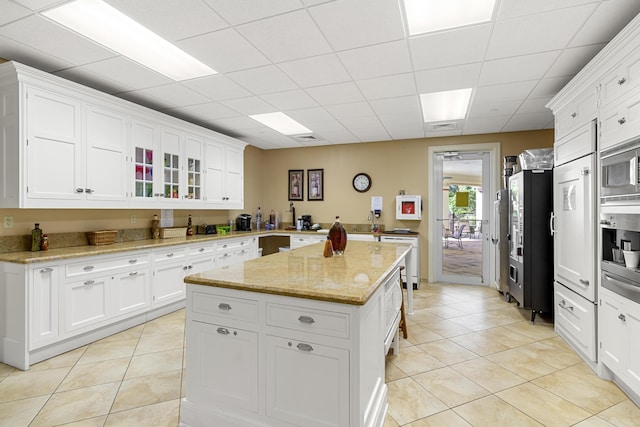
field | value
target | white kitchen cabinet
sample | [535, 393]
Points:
[575, 320]
[224, 175]
[106, 171]
[171, 143]
[300, 240]
[86, 302]
[193, 170]
[54, 149]
[621, 79]
[412, 276]
[131, 291]
[578, 143]
[201, 257]
[236, 250]
[620, 121]
[146, 163]
[169, 267]
[580, 110]
[43, 305]
[307, 383]
[619, 331]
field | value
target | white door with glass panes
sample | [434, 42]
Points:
[54, 146]
[193, 180]
[106, 152]
[147, 163]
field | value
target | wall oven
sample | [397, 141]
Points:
[620, 231]
[620, 178]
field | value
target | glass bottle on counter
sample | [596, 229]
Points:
[44, 245]
[155, 227]
[36, 238]
[328, 248]
[338, 236]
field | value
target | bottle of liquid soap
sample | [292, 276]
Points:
[338, 236]
[258, 219]
[36, 238]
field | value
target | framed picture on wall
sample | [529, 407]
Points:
[296, 182]
[315, 184]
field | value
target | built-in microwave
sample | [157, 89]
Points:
[408, 207]
[620, 180]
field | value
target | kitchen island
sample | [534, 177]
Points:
[293, 339]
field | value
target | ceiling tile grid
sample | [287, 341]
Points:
[346, 69]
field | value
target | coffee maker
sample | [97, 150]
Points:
[243, 222]
[306, 222]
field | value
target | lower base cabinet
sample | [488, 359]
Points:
[619, 344]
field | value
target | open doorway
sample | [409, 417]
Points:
[460, 214]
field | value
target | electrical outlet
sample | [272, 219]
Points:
[8, 222]
[133, 219]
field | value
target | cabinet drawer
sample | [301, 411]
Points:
[201, 250]
[233, 245]
[308, 320]
[102, 265]
[172, 254]
[578, 143]
[224, 307]
[575, 320]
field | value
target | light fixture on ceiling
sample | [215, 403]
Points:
[425, 16]
[111, 28]
[447, 105]
[282, 123]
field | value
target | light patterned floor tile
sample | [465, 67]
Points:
[143, 391]
[89, 422]
[100, 351]
[444, 418]
[154, 363]
[409, 401]
[23, 384]
[547, 408]
[494, 412]
[65, 360]
[419, 334]
[163, 414]
[446, 328]
[412, 360]
[159, 342]
[624, 414]
[447, 351]
[90, 374]
[521, 363]
[19, 413]
[480, 343]
[450, 387]
[487, 374]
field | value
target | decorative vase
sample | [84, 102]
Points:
[338, 236]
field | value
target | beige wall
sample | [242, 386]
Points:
[392, 165]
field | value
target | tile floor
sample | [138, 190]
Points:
[471, 360]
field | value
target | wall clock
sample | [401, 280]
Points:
[362, 182]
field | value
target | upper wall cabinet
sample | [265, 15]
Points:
[67, 146]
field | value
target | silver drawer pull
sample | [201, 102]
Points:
[224, 246]
[133, 261]
[185, 267]
[88, 190]
[622, 81]
[88, 268]
[564, 305]
[169, 255]
[223, 331]
[622, 121]
[224, 306]
[89, 282]
[133, 273]
[190, 267]
[584, 282]
[226, 255]
[573, 115]
[241, 243]
[304, 347]
[46, 270]
[306, 319]
[622, 317]
[201, 250]
[79, 190]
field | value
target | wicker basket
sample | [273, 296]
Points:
[172, 232]
[103, 237]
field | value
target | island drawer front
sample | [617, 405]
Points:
[232, 245]
[225, 307]
[304, 319]
[101, 265]
[172, 254]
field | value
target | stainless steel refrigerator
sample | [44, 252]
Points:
[500, 243]
[530, 241]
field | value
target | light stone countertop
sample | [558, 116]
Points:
[304, 273]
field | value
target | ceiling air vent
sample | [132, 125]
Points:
[443, 126]
[307, 137]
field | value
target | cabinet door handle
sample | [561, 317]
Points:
[306, 319]
[584, 282]
[622, 81]
[574, 115]
[185, 267]
[201, 250]
[223, 331]
[304, 347]
[88, 190]
[563, 304]
[88, 268]
[46, 270]
[133, 261]
[190, 267]
[241, 243]
[224, 246]
[224, 306]
[133, 273]
[79, 190]
[89, 282]
[170, 255]
[622, 121]
[622, 317]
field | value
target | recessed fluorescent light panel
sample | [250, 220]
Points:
[280, 122]
[425, 16]
[448, 105]
[111, 28]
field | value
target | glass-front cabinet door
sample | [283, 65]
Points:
[194, 178]
[145, 153]
[171, 142]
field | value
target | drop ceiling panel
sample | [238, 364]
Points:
[340, 93]
[126, 73]
[55, 40]
[316, 71]
[290, 100]
[286, 37]
[503, 92]
[241, 11]
[388, 86]
[176, 95]
[607, 21]
[347, 111]
[357, 23]
[11, 49]
[449, 48]
[517, 69]
[458, 77]
[536, 33]
[87, 77]
[534, 105]
[225, 51]
[549, 87]
[565, 65]
[238, 122]
[311, 115]
[515, 8]
[249, 105]
[405, 105]
[38, 4]
[525, 121]
[217, 87]
[262, 80]
[170, 19]
[11, 11]
[479, 125]
[377, 61]
[498, 108]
